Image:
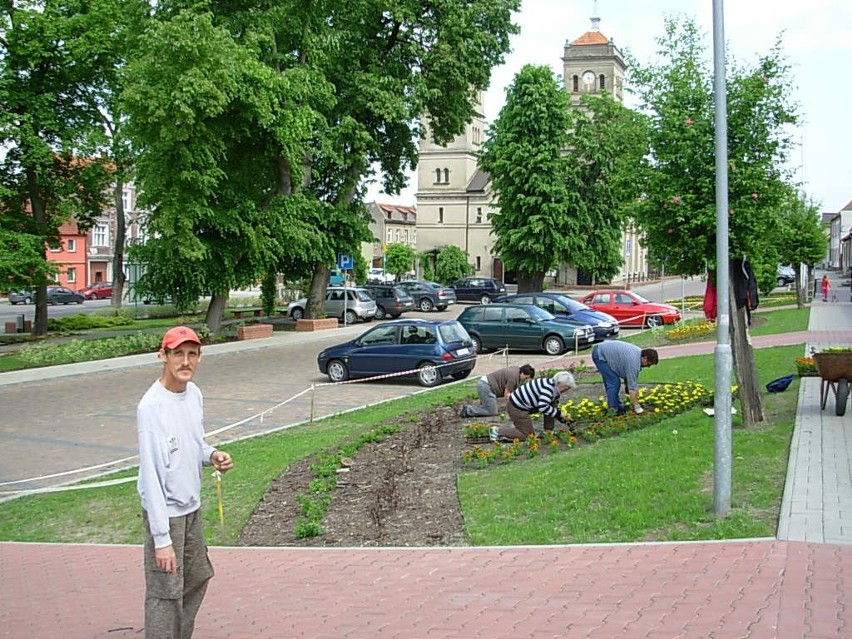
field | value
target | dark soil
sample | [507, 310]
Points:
[400, 491]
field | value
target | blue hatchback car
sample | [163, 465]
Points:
[431, 351]
[604, 325]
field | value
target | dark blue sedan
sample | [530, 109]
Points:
[431, 351]
[604, 325]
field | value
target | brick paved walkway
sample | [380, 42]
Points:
[749, 588]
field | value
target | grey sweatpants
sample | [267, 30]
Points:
[488, 399]
[172, 600]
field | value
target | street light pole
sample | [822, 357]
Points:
[722, 357]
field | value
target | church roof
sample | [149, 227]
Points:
[478, 182]
[591, 37]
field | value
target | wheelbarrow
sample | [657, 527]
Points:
[835, 369]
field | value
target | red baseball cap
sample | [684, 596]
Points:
[176, 336]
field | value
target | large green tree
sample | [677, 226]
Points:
[802, 238]
[677, 210]
[53, 55]
[541, 219]
[451, 264]
[258, 123]
[608, 143]
[399, 259]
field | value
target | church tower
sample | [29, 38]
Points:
[592, 63]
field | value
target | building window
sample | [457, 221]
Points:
[446, 176]
[71, 275]
[414, 236]
[437, 176]
[440, 215]
[397, 236]
[405, 236]
[125, 200]
[478, 263]
[100, 235]
[55, 277]
[628, 247]
[71, 246]
[479, 215]
[575, 83]
[389, 236]
[602, 81]
[57, 249]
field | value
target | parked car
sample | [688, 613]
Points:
[631, 309]
[785, 275]
[62, 295]
[478, 289]
[429, 295]
[97, 291]
[431, 351]
[21, 297]
[391, 301]
[605, 326]
[379, 276]
[523, 326]
[346, 303]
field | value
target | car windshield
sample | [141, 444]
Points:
[540, 314]
[363, 295]
[571, 305]
[453, 332]
[641, 299]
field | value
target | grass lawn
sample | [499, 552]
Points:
[650, 484]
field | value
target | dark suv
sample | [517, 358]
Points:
[391, 301]
[478, 289]
[429, 295]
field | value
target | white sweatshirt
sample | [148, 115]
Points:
[172, 451]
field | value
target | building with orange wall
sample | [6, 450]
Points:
[70, 256]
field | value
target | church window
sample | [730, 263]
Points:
[575, 83]
[440, 215]
[446, 176]
[602, 80]
[437, 176]
[479, 215]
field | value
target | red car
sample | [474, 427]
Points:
[631, 309]
[97, 291]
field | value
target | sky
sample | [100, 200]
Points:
[815, 42]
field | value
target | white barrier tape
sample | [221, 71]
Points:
[259, 416]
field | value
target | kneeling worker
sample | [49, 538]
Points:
[616, 360]
[537, 396]
[500, 383]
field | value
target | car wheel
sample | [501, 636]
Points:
[426, 305]
[337, 371]
[28, 300]
[350, 317]
[380, 313]
[477, 344]
[440, 308]
[652, 321]
[461, 374]
[554, 345]
[782, 281]
[428, 375]
[484, 300]
[297, 313]
[79, 301]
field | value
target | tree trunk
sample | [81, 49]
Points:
[118, 277]
[214, 313]
[530, 283]
[751, 397]
[40, 219]
[316, 293]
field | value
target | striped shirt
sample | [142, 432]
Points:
[536, 396]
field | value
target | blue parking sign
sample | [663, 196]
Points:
[344, 262]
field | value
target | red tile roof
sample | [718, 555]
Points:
[591, 37]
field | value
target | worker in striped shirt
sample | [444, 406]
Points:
[536, 396]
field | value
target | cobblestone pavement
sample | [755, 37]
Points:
[748, 588]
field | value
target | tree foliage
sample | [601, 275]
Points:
[399, 259]
[540, 213]
[53, 57]
[257, 124]
[451, 264]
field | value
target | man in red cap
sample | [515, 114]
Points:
[172, 450]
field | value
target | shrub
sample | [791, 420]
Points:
[78, 350]
[84, 321]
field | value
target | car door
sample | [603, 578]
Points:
[520, 330]
[334, 302]
[627, 310]
[603, 302]
[463, 289]
[490, 326]
[376, 352]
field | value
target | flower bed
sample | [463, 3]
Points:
[593, 420]
[806, 367]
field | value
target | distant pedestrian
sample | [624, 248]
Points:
[616, 361]
[826, 288]
[172, 450]
[500, 384]
[536, 396]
